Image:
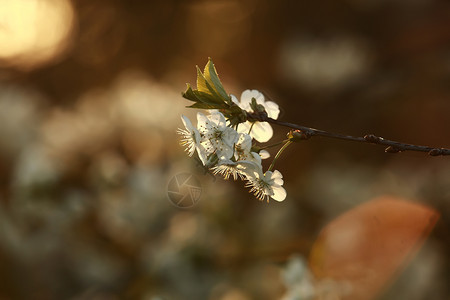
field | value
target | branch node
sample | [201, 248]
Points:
[260, 116]
[371, 138]
[436, 152]
[298, 135]
[392, 149]
[304, 133]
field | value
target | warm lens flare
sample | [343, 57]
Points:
[368, 245]
[33, 32]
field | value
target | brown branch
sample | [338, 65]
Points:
[391, 146]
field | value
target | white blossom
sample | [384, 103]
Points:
[243, 149]
[216, 136]
[227, 168]
[190, 136]
[261, 131]
[243, 163]
[267, 185]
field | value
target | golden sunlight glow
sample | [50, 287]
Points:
[33, 32]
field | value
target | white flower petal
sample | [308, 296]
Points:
[225, 152]
[247, 96]
[235, 100]
[272, 109]
[264, 154]
[243, 147]
[244, 127]
[218, 119]
[262, 132]
[276, 174]
[251, 169]
[279, 193]
[230, 136]
[256, 157]
[207, 146]
[187, 123]
[202, 154]
[202, 122]
[190, 136]
[277, 177]
[278, 181]
[197, 137]
[245, 142]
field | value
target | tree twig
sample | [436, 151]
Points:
[391, 146]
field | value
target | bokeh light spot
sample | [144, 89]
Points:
[33, 32]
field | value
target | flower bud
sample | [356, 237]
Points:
[297, 135]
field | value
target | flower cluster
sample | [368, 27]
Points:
[223, 138]
[228, 152]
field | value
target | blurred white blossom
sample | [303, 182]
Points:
[298, 280]
[302, 285]
[324, 63]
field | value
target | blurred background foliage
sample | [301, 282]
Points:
[90, 102]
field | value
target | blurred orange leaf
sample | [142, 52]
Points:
[368, 245]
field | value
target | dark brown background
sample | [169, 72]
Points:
[89, 145]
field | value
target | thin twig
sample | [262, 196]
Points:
[391, 146]
[273, 145]
[278, 154]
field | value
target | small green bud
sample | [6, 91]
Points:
[257, 108]
[234, 114]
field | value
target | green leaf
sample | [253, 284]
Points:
[209, 90]
[207, 105]
[201, 97]
[201, 82]
[208, 98]
[189, 93]
[210, 74]
[203, 85]
[202, 105]
[197, 96]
